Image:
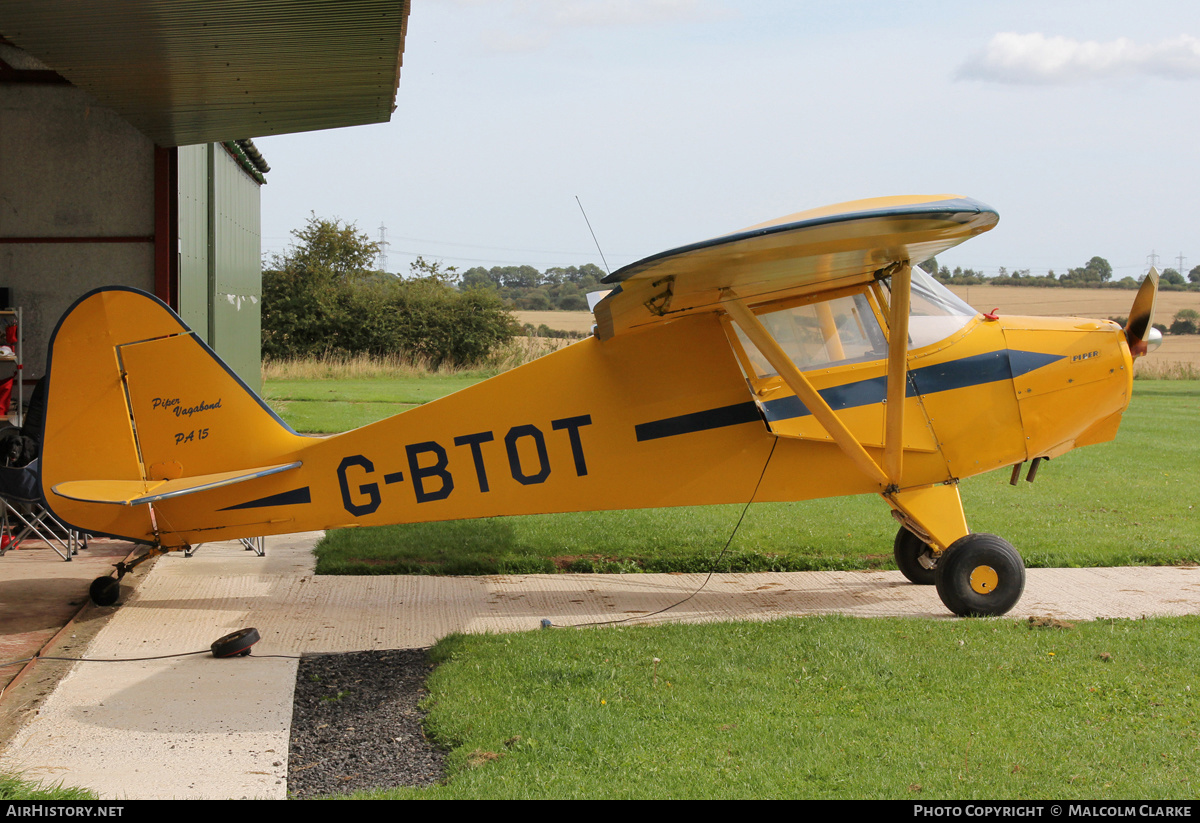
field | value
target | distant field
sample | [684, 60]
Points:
[1073, 302]
[1178, 349]
[580, 321]
[1097, 303]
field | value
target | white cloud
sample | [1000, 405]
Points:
[1037, 59]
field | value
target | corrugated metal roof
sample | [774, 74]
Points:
[200, 71]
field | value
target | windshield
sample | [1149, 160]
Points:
[935, 312]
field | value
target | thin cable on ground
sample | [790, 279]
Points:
[4, 688]
[712, 569]
[129, 659]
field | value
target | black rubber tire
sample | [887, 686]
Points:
[908, 549]
[237, 643]
[105, 591]
[997, 567]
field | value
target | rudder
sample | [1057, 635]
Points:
[135, 397]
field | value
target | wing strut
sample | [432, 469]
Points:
[933, 513]
[798, 383]
[897, 379]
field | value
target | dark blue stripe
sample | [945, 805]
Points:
[288, 498]
[698, 421]
[976, 370]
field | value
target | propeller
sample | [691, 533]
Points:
[1139, 329]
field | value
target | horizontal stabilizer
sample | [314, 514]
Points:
[135, 492]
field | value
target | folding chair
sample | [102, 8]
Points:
[23, 514]
[24, 518]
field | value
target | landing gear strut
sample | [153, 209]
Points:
[106, 590]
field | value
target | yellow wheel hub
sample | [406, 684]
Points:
[984, 579]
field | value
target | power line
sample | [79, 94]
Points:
[382, 258]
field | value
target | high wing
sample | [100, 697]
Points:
[827, 248]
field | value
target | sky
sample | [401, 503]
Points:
[672, 121]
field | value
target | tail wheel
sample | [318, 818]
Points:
[980, 575]
[914, 557]
[104, 591]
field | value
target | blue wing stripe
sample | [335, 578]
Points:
[976, 370]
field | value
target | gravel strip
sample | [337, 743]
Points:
[356, 725]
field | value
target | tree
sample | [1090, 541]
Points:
[428, 319]
[1101, 268]
[305, 308]
[1194, 274]
[536, 300]
[1172, 276]
[960, 276]
[321, 297]
[478, 277]
[1187, 321]
[588, 275]
[524, 287]
[570, 298]
[520, 277]
[1098, 270]
[433, 270]
[329, 248]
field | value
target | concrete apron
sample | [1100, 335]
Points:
[201, 727]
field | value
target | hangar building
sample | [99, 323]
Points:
[126, 150]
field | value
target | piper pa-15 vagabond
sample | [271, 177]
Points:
[806, 357]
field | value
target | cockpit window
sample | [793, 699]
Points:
[846, 329]
[834, 332]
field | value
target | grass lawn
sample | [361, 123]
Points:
[1131, 501]
[822, 707]
[318, 406]
[15, 787]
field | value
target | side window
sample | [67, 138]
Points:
[830, 333]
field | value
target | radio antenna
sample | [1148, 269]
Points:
[594, 240]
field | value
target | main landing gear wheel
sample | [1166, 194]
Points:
[914, 557]
[105, 591]
[980, 575]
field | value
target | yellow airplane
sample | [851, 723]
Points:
[802, 358]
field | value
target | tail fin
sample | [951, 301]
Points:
[139, 409]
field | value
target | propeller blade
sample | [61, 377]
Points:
[1141, 316]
